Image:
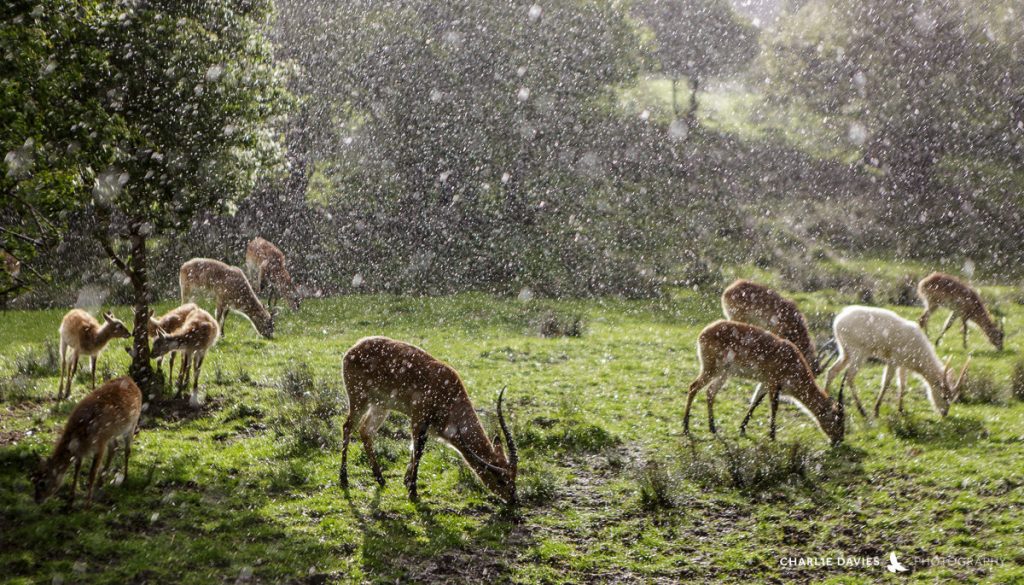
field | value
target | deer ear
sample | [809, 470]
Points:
[496, 441]
[108, 316]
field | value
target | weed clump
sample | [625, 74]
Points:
[657, 487]
[17, 388]
[308, 410]
[981, 388]
[39, 362]
[554, 325]
[1017, 381]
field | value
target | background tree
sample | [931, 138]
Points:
[698, 40]
[927, 91]
[168, 118]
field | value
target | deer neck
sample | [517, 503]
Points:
[103, 335]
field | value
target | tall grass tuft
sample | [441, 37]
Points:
[308, 410]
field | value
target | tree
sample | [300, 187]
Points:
[925, 90]
[698, 40]
[466, 131]
[153, 114]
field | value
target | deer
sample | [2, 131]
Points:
[942, 290]
[749, 302]
[870, 332]
[106, 415]
[82, 334]
[731, 348]
[383, 374]
[170, 322]
[265, 264]
[193, 339]
[230, 289]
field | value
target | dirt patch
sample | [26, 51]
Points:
[8, 438]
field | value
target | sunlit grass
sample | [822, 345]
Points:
[215, 495]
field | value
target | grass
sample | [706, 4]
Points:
[612, 489]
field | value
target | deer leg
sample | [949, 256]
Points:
[851, 376]
[713, 389]
[901, 387]
[774, 405]
[186, 362]
[963, 320]
[355, 413]
[374, 417]
[419, 441]
[923, 319]
[170, 367]
[197, 365]
[701, 381]
[755, 401]
[92, 366]
[74, 372]
[63, 365]
[949, 323]
[222, 316]
[74, 480]
[844, 361]
[94, 471]
[886, 378]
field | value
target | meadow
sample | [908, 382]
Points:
[245, 489]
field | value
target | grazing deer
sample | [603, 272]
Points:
[169, 322]
[265, 264]
[382, 375]
[230, 289]
[107, 414]
[730, 348]
[870, 332]
[192, 340]
[752, 303]
[942, 290]
[83, 335]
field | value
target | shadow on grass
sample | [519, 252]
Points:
[432, 548]
[951, 431]
[143, 529]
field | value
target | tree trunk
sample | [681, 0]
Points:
[675, 98]
[691, 113]
[141, 370]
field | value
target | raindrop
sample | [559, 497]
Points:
[677, 130]
[523, 94]
[535, 12]
[357, 280]
[525, 295]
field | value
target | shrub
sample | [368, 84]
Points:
[17, 388]
[554, 325]
[1017, 381]
[39, 362]
[537, 486]
[657, 487]
[308, 410]
[981, 388]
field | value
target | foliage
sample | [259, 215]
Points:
[308, 410]
[698, 40]
[928, 92]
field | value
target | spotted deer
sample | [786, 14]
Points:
[383, 374]
[731, 348]
[106, 415]
[82, 334]
[266, 266]
[942, 290]
[193, 339]
[230, 290]
[169, 322]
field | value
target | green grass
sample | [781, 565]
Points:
[612, 489]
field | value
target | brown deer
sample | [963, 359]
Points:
[169, 322]
[752, 303]
[193, 339]
[730, 348]
[942, 290]
[105, 415]
[382, 375]
[229, 288]
[83, 335]
[266, 266]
